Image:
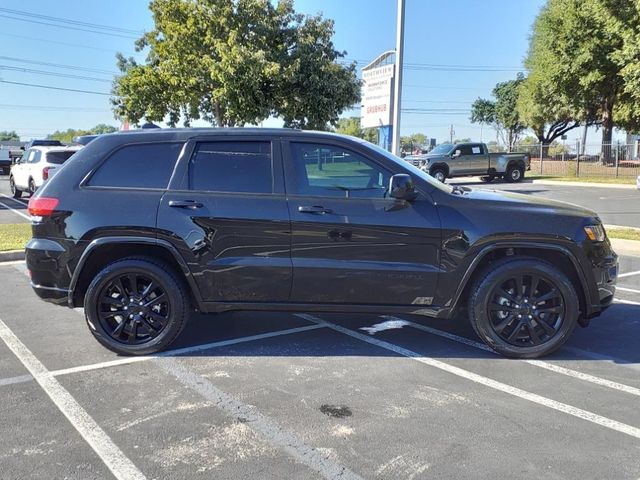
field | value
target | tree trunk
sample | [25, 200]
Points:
[607, 132]
[545, 148]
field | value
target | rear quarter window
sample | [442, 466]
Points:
[58, 158]
[138, 166]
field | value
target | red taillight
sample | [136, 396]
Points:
[42, 207]
[45, 173]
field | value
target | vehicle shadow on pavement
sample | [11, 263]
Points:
[613, 337]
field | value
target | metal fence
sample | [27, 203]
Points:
[578, 160]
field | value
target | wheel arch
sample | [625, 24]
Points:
[558, 255]
[105, 250]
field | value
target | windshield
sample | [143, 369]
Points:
[413, 170]
[442, 149]
[58, 158]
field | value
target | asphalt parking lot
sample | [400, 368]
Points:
[280, 395]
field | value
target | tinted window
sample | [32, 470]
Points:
[58, 158]
[334, 171]
[465, 149]
[232, 167]
[138, 166]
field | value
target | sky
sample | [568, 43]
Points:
[489, 35]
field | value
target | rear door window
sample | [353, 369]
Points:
[148, 165]
[232, 166]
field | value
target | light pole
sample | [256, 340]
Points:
[397, 87]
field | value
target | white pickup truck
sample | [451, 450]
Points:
[472, 159]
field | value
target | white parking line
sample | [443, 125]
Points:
[14, 380]
[183, 351]
[115, 460]
[628, 274]
[259, 423]
[625, 289]
[15, 211]
[23, 202]
[168, 353]
[12, 262]
[628, 302]
[488, 382]
[538, 363]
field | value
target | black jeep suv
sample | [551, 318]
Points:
[141, 227]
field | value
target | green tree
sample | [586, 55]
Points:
[6, 135]
[235, 62]
[501, 113]
[67, 136]
[581, 58]
[351, 126]
[412, 142]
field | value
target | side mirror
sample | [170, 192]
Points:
[456, 154]
[401, 187]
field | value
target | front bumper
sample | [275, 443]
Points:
[604, 268]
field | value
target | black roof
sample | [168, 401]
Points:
[184, 134]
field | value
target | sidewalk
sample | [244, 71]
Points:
[629, 248]
[583, 184]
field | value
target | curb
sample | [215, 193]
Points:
[12, 256]
[585, 184]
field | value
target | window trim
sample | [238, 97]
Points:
[84, 183]
[291, 170]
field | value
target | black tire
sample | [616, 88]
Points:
[15, 191]
[515, 174]
[526, 325]
[488, 178]
[438, 173]
[32, 187]
[116, 307]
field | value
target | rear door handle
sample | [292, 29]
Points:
[317, 209]
[192, 204]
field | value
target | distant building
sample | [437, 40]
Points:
[11, 144]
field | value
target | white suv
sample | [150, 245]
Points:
[36, 166]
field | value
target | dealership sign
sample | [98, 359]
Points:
[377, 94]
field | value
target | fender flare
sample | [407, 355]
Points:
[99, 242]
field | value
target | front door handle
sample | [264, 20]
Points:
[192, 204]
[317, 209]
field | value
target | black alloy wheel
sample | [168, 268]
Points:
[526, 310]
[133, 309]
[137, 306]
[523, 307]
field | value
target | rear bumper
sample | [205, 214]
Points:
[57, 296]
[45, 262]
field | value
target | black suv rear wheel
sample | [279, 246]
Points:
[136, 306]
[523, 307]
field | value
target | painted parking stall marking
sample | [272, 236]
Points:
[115, 460]
[538, 363]
[488, 382]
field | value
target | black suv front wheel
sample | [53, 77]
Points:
[136, 306]
[523, 307]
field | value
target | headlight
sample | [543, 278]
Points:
[595, 233]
